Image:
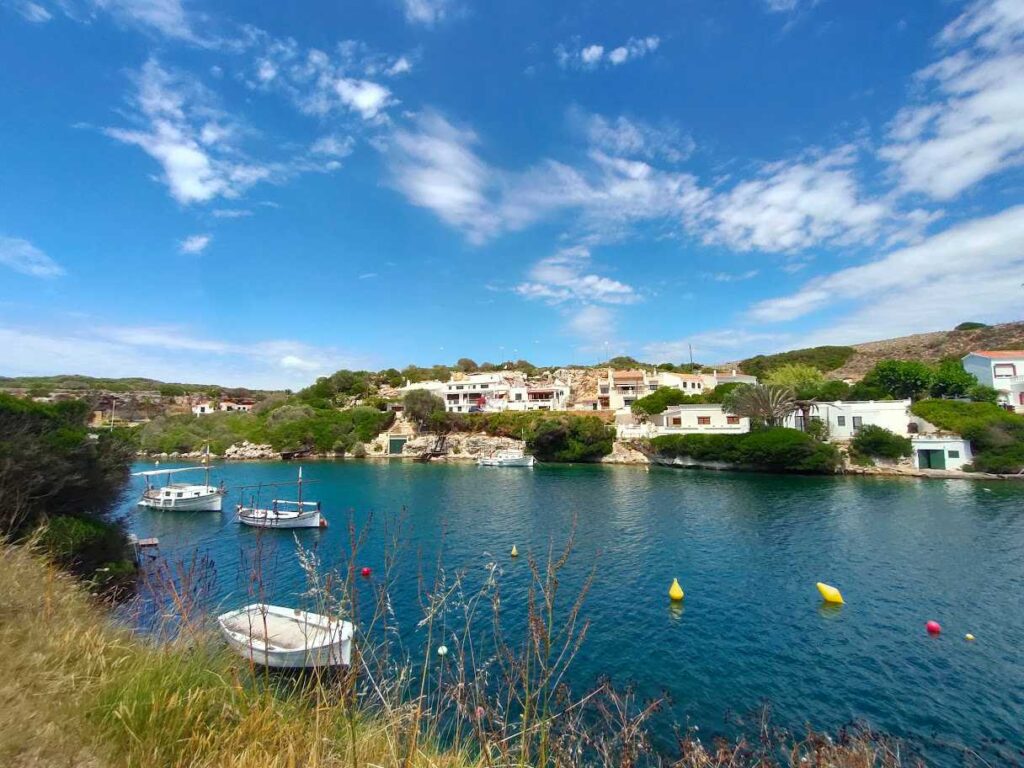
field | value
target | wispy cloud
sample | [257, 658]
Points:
[590, 56]
[194, 244]
[968, 123]
[924, 282]
[21, 256]
[630, 137]
[231, 213]
[714, 346]
[427, 12]
[567, 276]
[732, 277]
[157, 352]
[33, 12]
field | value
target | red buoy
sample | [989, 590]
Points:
[366, 572]
[933, 627]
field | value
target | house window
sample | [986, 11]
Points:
[858, 422]
[954, 454]
[733, 419]
[1004, 370]
[484, 386]
[840, 421]
[519, 395]
[703, 419]
[676, 421]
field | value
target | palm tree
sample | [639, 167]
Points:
[762, 403]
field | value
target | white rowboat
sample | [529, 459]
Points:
[287, 638]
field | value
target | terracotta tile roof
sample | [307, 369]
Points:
[999, 352]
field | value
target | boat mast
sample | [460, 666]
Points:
[300, 489]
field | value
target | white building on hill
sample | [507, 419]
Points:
[620, 389]
[491, 392]
[690, 419]
[1001, 369]
[844, 418]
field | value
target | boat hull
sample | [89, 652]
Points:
[281, 638]
[274, 520]
[205, 503]
[523, 461]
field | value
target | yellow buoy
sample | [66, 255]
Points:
[969, 637]
[830, 594]
[515, 552]
[675, 591]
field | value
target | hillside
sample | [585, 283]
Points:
[76, 382]
[930, 347]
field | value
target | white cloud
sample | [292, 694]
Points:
[781, 6]
[165, 16]
[793, 205]
[33, 12]
[624, 137]
[21, 256]
[593, 324]
[426, 12]
[194, 244]
[195, 143]
[345, 79]
[157, 352]
[969, 122]
[979, 261]
[591, 56]
[231, 213]
[732, 277]
[333, 146]
[565, 276]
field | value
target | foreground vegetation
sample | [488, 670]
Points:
[52, 471]
[78, 690]
[775, 449]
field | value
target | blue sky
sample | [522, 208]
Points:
[260, 193]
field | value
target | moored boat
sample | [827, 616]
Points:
[287, 638]
[283, 513]
[197, 497]
[506, 458]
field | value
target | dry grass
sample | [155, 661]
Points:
[77, 690]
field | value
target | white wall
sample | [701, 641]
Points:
[844, 417]
[957, 450]
[698, 419]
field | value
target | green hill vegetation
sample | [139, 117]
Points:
[825, 359]
[72, 383]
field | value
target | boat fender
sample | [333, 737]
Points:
[830, 594]
[323, 522]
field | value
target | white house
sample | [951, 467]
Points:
[620, 389]
[714, 378]
[553, 396]
[1001, 369]
[490, 392]
[844, 418]
[203, 407]
[237, 405]
[690, 419]
[940, 451]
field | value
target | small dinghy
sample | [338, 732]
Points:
[283, 513]
[287, 638]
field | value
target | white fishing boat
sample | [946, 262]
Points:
[283, 513]
[509, 457]
[178, 496]
[287, 638]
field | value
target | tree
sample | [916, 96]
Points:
[659, 400]
[901, 378]
[834, 390]
[421, 406]
[621, 363]
[981, 393]
[875, 441]
[762, 403]
[805, 380]
[970, 326]
[466, 365]
[950, 379]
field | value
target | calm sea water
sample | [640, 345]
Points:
[747, 549]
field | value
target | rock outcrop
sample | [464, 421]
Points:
[247, 451]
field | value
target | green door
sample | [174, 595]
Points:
[931, 459]
[396, 444]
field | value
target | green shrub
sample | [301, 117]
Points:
[980, 393]
[85, 546]
[970, 326]
[573, 438]
[660, 399]
[823, 358]
[776, 449]
[879, 442]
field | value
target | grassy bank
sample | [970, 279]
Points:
[776, 449]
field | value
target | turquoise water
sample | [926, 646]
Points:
[747, 549]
